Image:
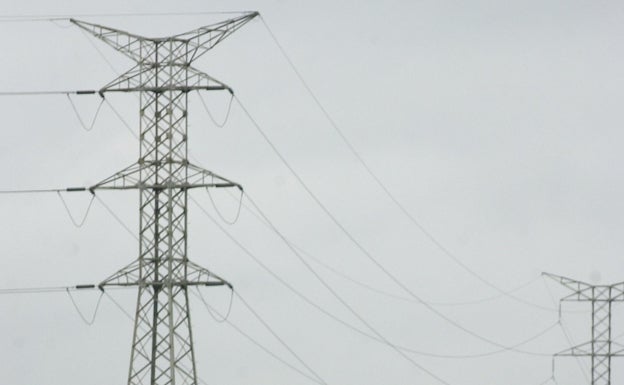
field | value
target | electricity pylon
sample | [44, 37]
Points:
[162, 347]
[601, 348]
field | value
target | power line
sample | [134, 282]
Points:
[227, 112]
[355, 242]
[381, 291]
[77, 223]
[214, 205]
[116, 217]
[88, 321]
[211, 309]
[47, 92]
[383, 187]
[223, 318]
[304, 298]
[58, 17]
[346, 304]
[95, 116]
[427, 305]
[50, 190]
[277, 337]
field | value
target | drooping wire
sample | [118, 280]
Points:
[82, 123]
[227, 113]
[52, 92]
[212, 314]
[304, 298]
[32, 191]
[384, 292]
[277, 337]
[49, 289]
[123, 121]
[118, 305]
[34, 290]
[97, 49]
[353, 311]
[71, 217]
[383, 187]
[214, 205]
[426, 304]
[549, 379]
[353, 240]
[48, 17]
[111, 212]
[258, 344]
[87, 321]
[54, 20]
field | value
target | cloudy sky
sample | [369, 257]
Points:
[495, 124]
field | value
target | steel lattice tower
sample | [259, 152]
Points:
[601, 348]
[162, 346]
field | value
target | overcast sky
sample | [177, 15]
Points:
[496, 124]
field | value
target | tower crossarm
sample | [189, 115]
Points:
[130, 276]
[130, 178]
[581, 291]
[203, 39]
[139, 79]
[140, 48]
[134, 46]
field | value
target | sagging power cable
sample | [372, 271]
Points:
[382, 185]
[80, 120]
[304, 298]
[382, 292]
[238, 210]
[277, 337]
[358, 316]
[353, 240]
[77, 223]
[223, 318]
[229, 322]
[211, 116]
[87, 321]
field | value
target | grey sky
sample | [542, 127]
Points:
[497, 124]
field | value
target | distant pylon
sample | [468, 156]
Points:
[162, 346]
[601, 348]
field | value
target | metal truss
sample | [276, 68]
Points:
[601, 348]
[162, 346]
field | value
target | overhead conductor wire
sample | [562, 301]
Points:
[346, 324]
[349, 307]
[382, 292]
[383, 187]
[274, 334]
[255, 342]
[356, 243]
